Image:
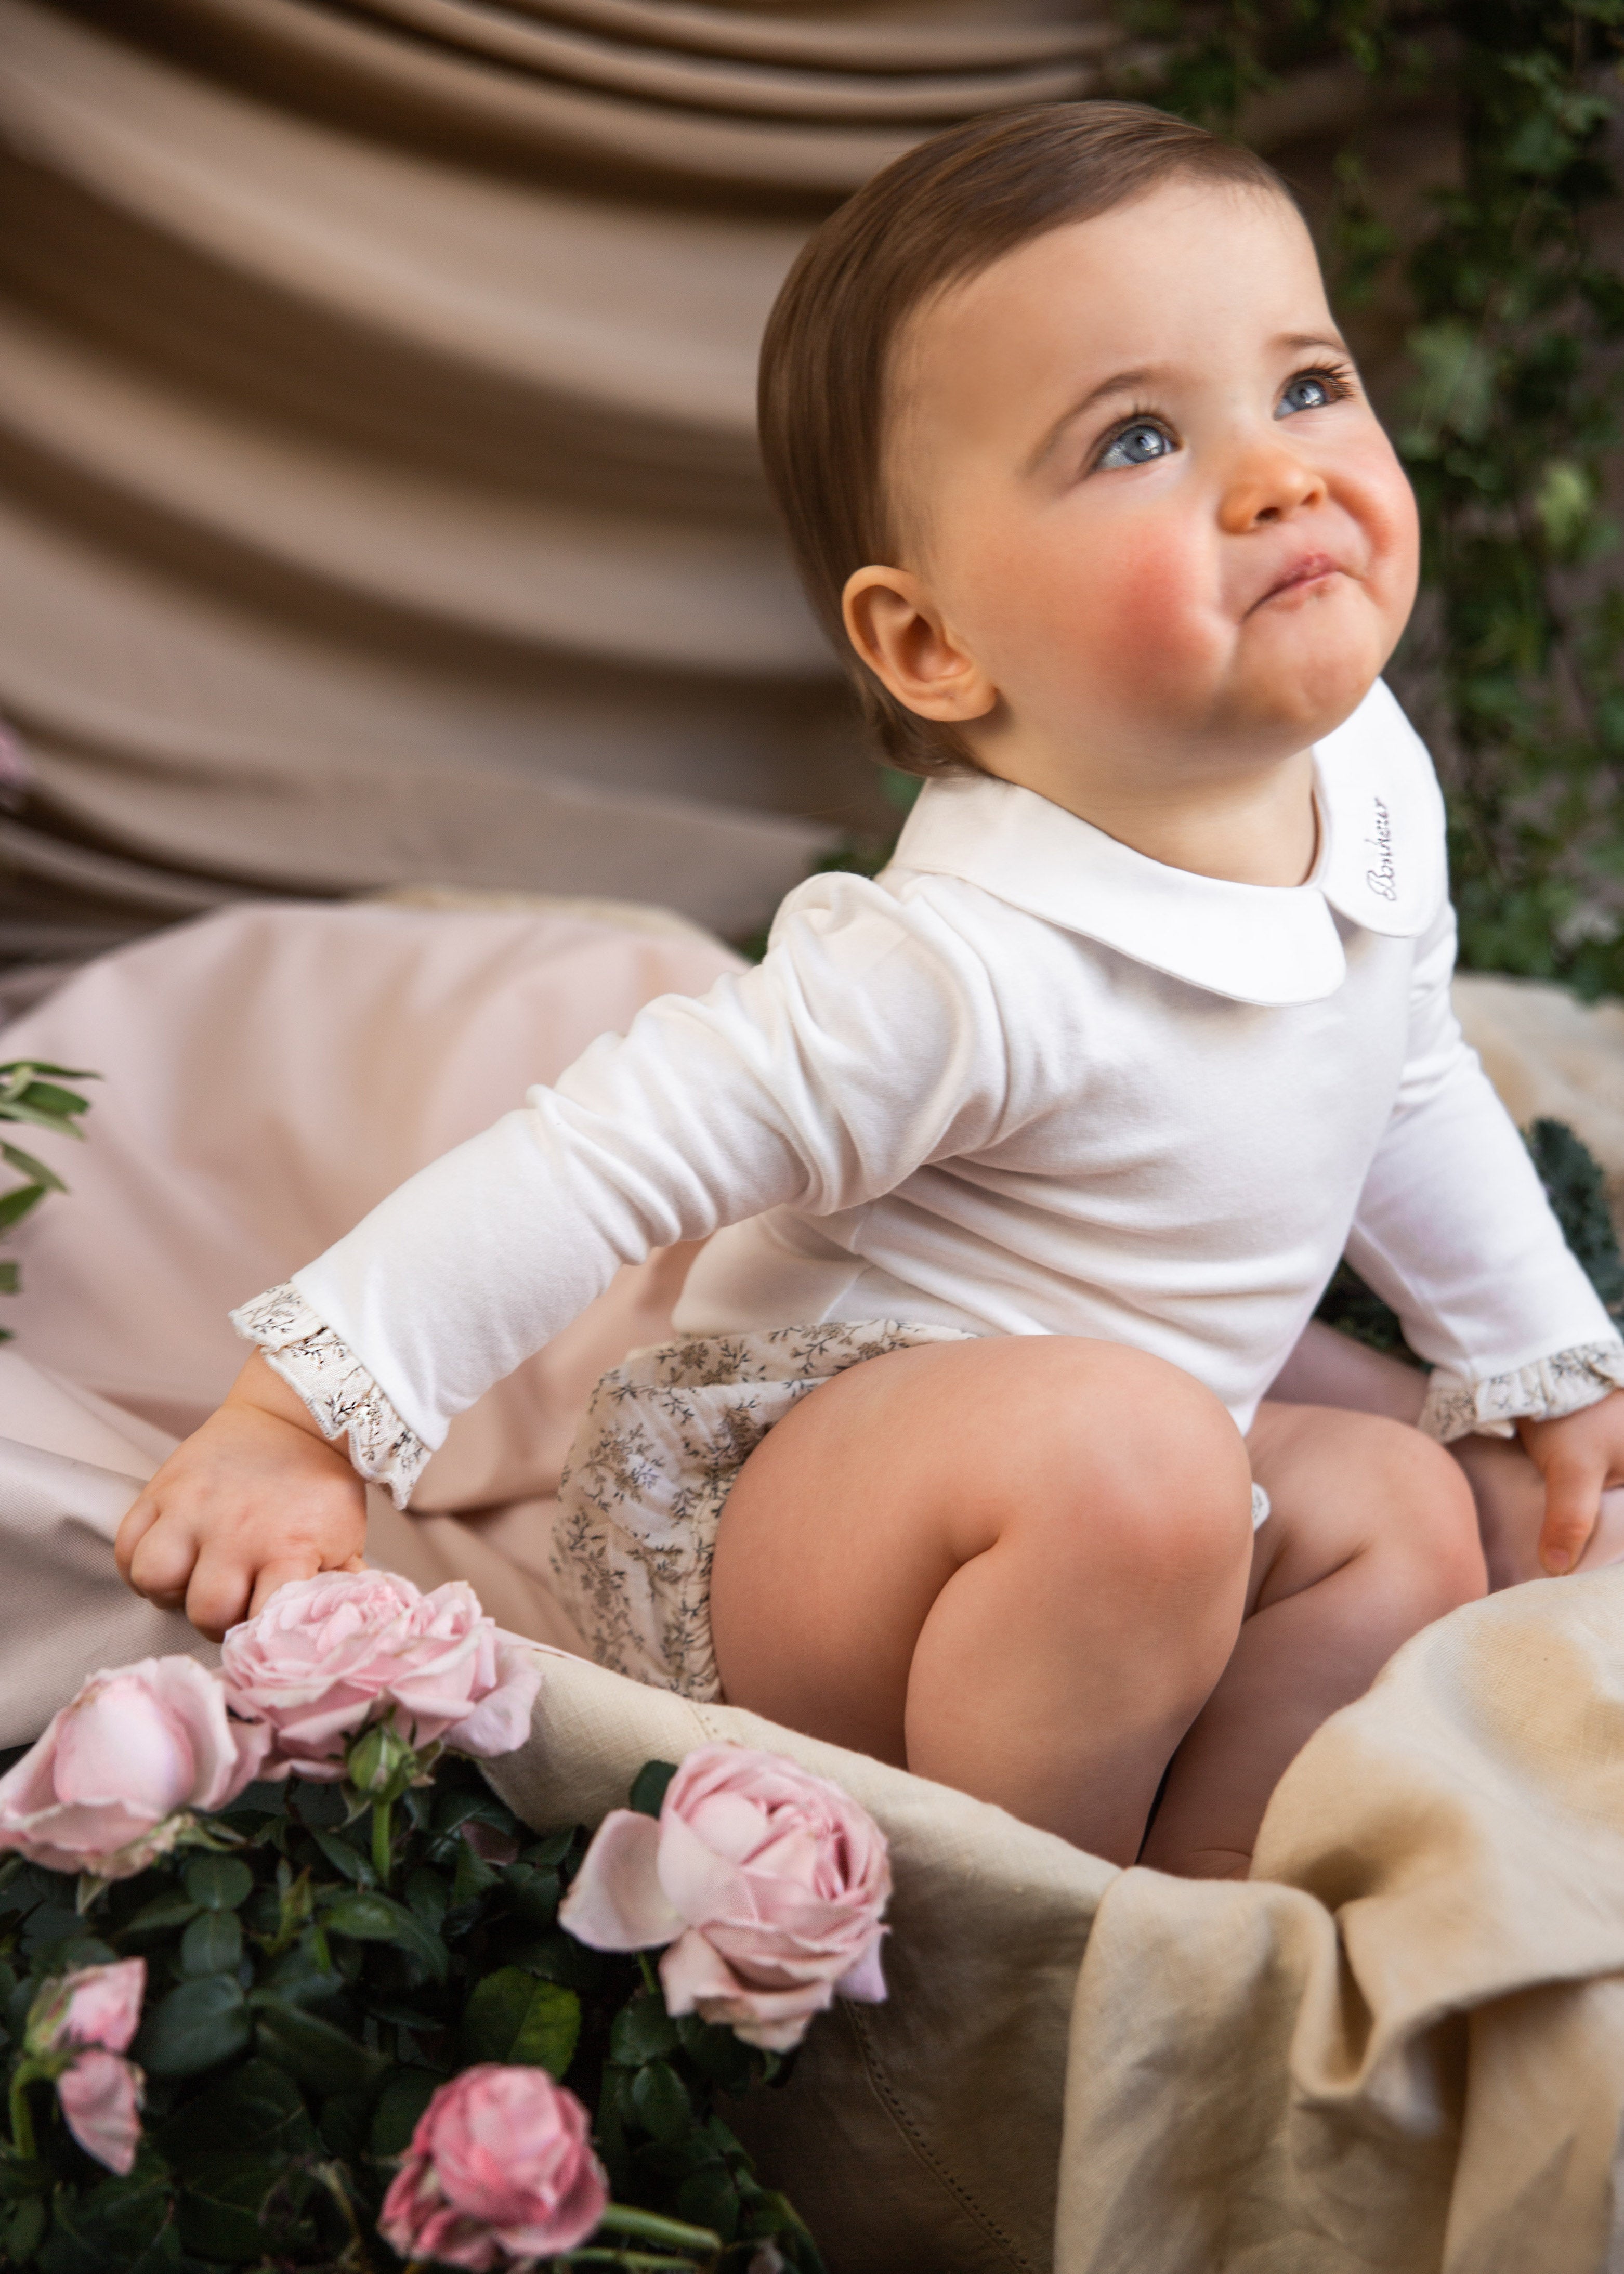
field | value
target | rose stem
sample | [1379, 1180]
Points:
[622, 2218]
[382, 1811]
[22, 2116]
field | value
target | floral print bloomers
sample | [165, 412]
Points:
[652, 1464]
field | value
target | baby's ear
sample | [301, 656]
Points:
[910, 649]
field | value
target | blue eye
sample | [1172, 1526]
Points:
[1310, 390]
[1137, 444]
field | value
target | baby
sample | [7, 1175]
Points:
[1022, 1166]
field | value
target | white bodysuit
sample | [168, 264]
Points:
[1024, 1081]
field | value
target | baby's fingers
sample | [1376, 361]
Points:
[225, 1579]
[1573, 1501]
[138, 1519]
[160, 1562]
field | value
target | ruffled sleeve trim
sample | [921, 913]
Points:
[1565, 1383]
[340, 1394]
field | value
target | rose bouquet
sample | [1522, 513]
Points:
[285, 1984]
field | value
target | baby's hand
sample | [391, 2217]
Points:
[255, 1498]
[1578, 1456]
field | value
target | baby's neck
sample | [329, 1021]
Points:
[1255, 827]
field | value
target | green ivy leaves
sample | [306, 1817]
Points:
[28, 1094]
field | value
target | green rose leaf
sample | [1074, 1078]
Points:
[162, 1913]
[22, 2230]
[219, 2205]
[717, 2053]
[113, 2224]
[709, 2198]
[648, 1792]
[318, 2054]
[641, 2032]
[196, 2026]
[368, 1917]
[512, 2016]
[259, 2102]
[402, 2102]
[660, 2100]
[218, 1883]
[473, 1874]
[212, 1944]
[346, 1860]
[427, 1897]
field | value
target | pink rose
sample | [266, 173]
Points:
[501, 2167]
[93, 2005]
[329, 1655]
[768, 1884]
[110, 1784]
[101, 2099]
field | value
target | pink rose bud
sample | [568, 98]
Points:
[767, 1883]
[501, 2167]
[327, 1656]
[94, 2006]
[101, 2097]
[111, 1783]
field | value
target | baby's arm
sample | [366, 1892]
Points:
[866, 1043]
[1453, 1230]
[255, 1497]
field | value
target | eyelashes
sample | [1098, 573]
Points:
[1336, 380]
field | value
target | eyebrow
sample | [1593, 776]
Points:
[1129, 383]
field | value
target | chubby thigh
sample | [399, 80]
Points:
[1017, 1564]
[1024, 1566]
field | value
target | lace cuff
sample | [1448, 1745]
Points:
[300, 1347]
[1565, 1383]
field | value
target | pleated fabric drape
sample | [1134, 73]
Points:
[379, 493]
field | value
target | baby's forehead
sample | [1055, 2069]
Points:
[1203, 258]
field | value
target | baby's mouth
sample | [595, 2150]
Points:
[1313, 568]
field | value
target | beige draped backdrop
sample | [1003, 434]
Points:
[379, 494]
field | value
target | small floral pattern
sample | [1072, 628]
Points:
[301, 1347]
[664, 1438]
[1566, 1382]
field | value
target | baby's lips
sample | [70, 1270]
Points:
[1307, 569]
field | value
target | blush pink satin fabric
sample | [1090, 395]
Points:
[267, 1075]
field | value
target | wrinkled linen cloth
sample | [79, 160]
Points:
[1399, 2047]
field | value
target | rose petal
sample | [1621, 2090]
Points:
[615, 1901]
[865, 1982]
[500, 1723]
[693, 1968]
[101, 2097]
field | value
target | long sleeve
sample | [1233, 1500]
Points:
[867, 1044]
[1453, 1230]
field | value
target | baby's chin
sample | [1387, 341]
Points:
[1301, 680]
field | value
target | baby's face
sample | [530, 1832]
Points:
[1140, 483]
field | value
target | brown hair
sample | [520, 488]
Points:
[935, 217]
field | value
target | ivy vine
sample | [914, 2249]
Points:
[1508, 416]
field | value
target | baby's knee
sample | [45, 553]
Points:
[1159, 1473]
[1430, 1519]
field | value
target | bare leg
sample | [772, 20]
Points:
[1016, 1565]
[1328, 1368]
[1374, 1535]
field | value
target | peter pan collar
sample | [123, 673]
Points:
[1381, 864]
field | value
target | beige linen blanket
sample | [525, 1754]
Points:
[1400, 2047]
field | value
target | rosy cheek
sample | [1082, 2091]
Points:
[1119, 610]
